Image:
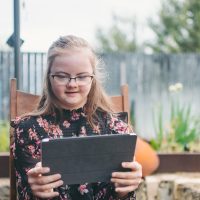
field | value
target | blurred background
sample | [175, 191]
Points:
[153, 46]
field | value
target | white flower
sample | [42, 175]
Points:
[172, 88]
[179, 86]
[176, 87]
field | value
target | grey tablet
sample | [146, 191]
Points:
[88, 159]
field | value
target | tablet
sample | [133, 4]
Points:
[88, 159]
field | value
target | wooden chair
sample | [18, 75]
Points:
[22, 102]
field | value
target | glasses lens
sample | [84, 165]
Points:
[80, 80]
[60, 79]
[83, 80]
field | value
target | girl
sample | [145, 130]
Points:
[73, 103]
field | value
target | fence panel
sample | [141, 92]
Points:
[148, 77]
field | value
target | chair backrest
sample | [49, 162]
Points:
[22, 102]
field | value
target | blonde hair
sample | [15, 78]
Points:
[97, 98]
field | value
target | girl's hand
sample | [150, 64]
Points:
[126, 182]
[42, 186]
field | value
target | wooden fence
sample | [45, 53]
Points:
[148, 77]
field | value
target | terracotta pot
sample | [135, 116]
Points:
[146, 156]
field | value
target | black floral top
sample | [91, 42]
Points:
[28, 133]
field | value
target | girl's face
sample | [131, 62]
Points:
[72, 93]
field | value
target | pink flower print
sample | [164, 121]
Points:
[66, 124]
[13, 148]
[96, 129]
[17, 120]
[83, 131]
[43, 123]
[17, 174]
[83, 189]
[121, 127]
[57, 132]
[18, 133]
[112, 123]
[21, 141]
[100, 195]
[31, 149]
[75, 116]
[54, 114]
[118, 125]
[32, 134]
[35, 153]
[104, 191]
[26, 170]
[40, 121]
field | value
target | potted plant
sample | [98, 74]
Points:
[178, 141]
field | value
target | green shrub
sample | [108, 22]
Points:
[182, 131]
[4, 136]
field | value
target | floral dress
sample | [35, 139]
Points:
[28, 133]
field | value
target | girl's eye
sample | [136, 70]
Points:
[61, 77]
[81, 77]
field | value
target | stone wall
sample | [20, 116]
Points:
[173, 186]
[4, 188]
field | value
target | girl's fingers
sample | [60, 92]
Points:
[46, 187]
[116, 184]
[126, 175]
[46, 195]
[42, 180]
[42, 186]
[134, 166]
[126, 189]
[125, 182]
[38, 170]
[39, 164]
[136, 171]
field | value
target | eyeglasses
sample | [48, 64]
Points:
[64, 79]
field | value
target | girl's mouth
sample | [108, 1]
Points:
[71, 92]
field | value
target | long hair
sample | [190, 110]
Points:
[97, 98]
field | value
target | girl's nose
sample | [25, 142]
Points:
[72, 83]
